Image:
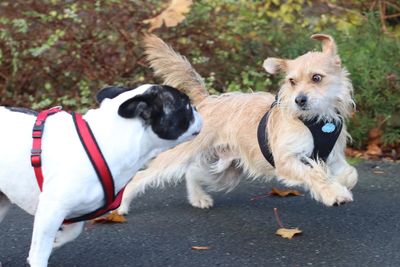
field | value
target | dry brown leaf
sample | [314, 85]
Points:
[351, 152]
[112, 217]
[171, 16]
[288, 233]
[378, 170]
[374, 142]
[283, 193]
[200, 247]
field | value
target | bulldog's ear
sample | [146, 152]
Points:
[274, 65]
[110, 92]
[136, 107]
[141, 105]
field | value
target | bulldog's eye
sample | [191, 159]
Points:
[316, 78]
[292, 82]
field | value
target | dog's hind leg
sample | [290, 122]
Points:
[196, 195]
[4, 206]
[153, 176]
[132, 190]
[167, 167]
[67, 233]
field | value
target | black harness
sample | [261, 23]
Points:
[325, 135]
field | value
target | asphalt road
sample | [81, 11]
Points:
[163, 227]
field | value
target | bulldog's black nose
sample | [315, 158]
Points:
[301, 100]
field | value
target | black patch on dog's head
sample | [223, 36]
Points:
[110, 92]
[162, 107]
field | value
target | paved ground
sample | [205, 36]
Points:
[162, 228]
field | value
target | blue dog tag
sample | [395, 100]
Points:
[328, 127]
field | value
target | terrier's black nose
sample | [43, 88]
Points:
[301, 100]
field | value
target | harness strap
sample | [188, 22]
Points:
[323, 141]
[93, 152]
[100, 166]
[262, 137]
[324, 136]
[36, 151]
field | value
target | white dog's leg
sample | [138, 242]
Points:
[67, 233]
[48, 219]
[197, 196]
[4, 206]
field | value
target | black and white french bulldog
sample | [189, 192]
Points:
[131, 126]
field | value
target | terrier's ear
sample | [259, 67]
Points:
[328, 44]
[274, 65]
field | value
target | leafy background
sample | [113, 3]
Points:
[56, 51]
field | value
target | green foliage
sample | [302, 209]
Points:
[374, 63]
[54, 51]
[246, 33]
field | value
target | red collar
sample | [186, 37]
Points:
[94, 153]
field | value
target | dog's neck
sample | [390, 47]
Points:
[125, 143]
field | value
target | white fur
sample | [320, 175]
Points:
[71, 187]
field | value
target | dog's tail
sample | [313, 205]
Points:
[174, 68]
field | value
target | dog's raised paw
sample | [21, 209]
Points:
[202, 202]
[335, 194]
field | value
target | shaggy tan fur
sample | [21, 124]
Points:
[165, 61]
[227, 150]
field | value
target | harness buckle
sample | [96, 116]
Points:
[36, 152]
[38, 129]
[36, 160]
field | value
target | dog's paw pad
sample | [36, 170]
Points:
[335, 195]
[203, 202]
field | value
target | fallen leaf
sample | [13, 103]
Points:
[200, 247]
[377, 170]
[374, 142]
[283, 193]
[171, 16]
[288, 233]
[351, 152]
[112, 217]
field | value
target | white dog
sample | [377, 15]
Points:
[130, 126]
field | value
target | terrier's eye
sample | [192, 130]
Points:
[316, 78]
[292, 82]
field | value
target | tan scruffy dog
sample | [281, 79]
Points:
[316, 89]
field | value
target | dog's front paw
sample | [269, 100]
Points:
[203, 201]
[334, 194]
[348, 178]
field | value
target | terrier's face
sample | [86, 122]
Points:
[315, 83]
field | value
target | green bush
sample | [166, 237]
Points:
[55, 51]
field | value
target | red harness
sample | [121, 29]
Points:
[94, 153]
